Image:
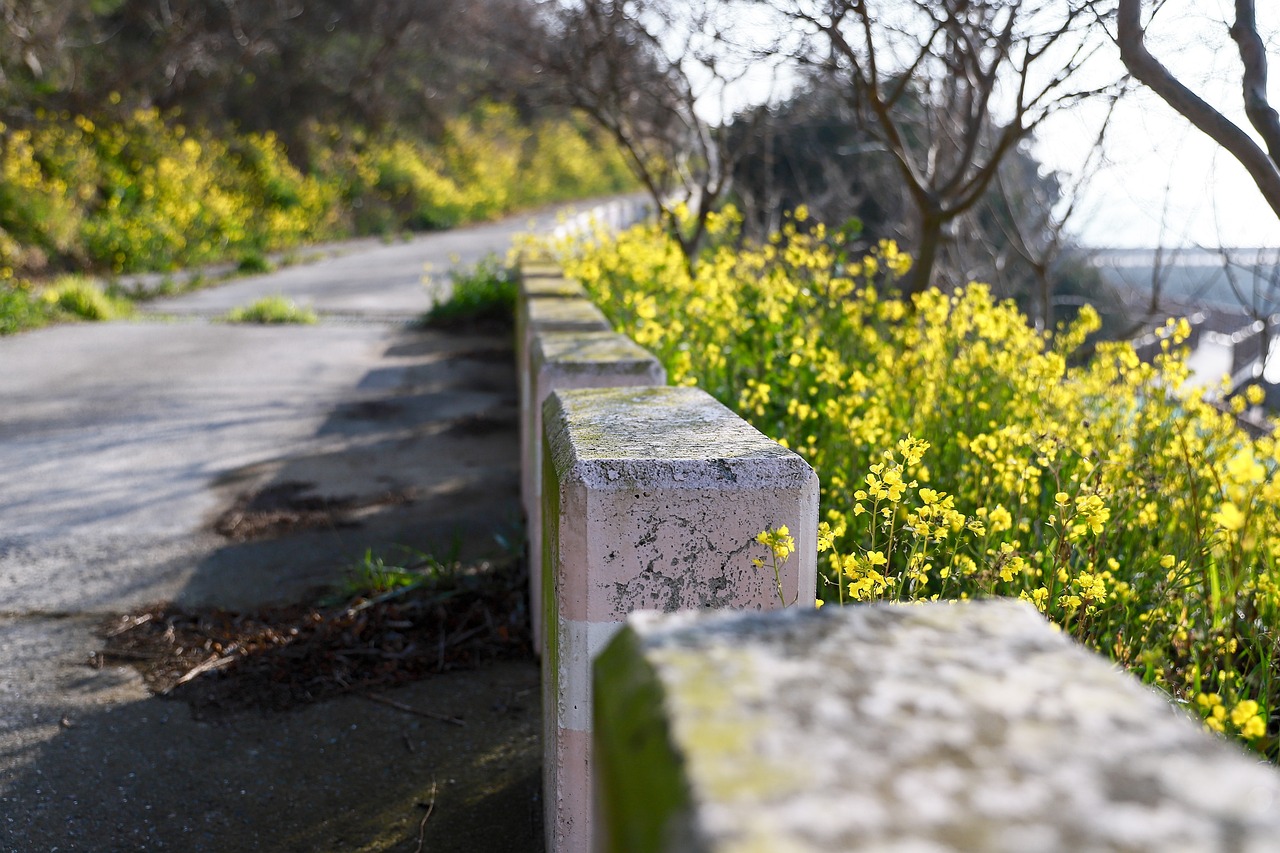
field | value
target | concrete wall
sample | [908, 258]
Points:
[967, 726]
[637, 496]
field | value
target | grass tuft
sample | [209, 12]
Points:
[271, 310]
[82, 298]
[252, 263]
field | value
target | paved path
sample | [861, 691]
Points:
[121, 443]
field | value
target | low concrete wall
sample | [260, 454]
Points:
[941, 727]
[538, 315]
[635, 497]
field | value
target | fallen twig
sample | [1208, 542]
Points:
[391, 703]
[210, 664]
[422, 827]
[129, 625]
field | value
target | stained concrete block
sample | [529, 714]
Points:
[552, 285]
[547, 315]
[562, 361]
[541, 314]
[968, 726]
[653, 498]
[542, 267]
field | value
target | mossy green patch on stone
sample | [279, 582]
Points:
[553, 312]
[661, 423]
[643, 799]
[590, 347]
[714, 697]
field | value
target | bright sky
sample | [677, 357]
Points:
[1163, 182]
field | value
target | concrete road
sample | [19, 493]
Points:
[122, 443]
[112, 435]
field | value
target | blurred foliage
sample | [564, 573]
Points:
[207, 130]
[272, 310]
[485, 293]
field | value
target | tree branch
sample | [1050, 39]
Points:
[1253, 55]
[1130, 36]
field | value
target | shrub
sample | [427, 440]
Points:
[485, 293]
[148, 193]
[20, 309]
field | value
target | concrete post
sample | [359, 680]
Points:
[967, 726]
[653, 499]
[561, 361]
[537, 315]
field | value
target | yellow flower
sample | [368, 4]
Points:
[1242, 712]
[1229, 517]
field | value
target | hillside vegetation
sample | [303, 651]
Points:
[202, 131]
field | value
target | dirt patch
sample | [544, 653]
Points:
[287, 507]
[278, 658]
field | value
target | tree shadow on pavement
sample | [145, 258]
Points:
[424, 458]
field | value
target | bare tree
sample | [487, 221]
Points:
[1262, 163]
[644, 70]
[1036, 214]
[952, 87]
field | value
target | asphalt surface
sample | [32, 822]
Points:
[121, 443]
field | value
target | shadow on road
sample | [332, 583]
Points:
[423, 457]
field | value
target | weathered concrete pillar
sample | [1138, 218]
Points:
[547, 313]
[562, 361]
[949, 726]
[653, 499]
[539, 279]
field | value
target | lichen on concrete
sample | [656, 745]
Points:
[969, 726]
[665, 427]
[556, 314]
[590, 350]
[554, 286]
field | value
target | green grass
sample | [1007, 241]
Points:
[480, 294]
[253, 263]
[375, 577]
[80, 298]
[71, 297]
[271, 310]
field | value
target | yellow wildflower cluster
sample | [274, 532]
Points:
[147, 192]
[962, 453]
[1245, 718]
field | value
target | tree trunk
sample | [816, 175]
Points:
[1046, 297]
[918, 280]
